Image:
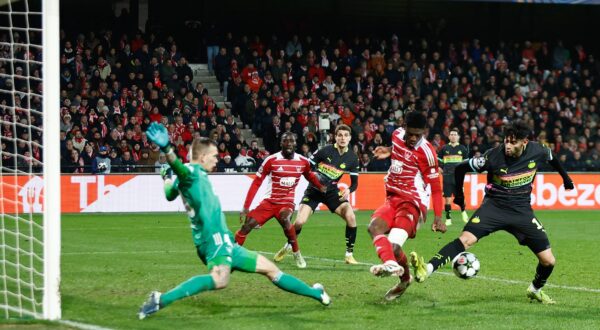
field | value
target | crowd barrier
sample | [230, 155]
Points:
[144, 193]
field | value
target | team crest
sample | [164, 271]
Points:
[460, 152]
[531, 164]
[475, 220]
[342, 166]
[407, 154]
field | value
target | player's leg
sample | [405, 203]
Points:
[380, 224]
[255, 219]
[290, 283]
[284, 217]
[529, 231]
[447, 207]
[346, 212]
[302, 216]
[218, 278]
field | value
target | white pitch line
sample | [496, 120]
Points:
[82, 326]
[480, 277]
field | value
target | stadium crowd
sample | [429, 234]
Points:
[113, 87]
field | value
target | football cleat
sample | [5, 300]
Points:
[299, 260]
[349, 259]
[448, 222]
[325, 299]
[419, 267]
[539, 296]
[398, 290]
[151, 306]
[287, 248]
[389, 268]
[465, 216]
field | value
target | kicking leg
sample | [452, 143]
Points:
[542, 273]
[378, 228]
[290, 283]
[446, 254]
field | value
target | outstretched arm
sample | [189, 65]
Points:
[158, 134]
[382, 152]
[567, 182]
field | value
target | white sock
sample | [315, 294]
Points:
[348, 254]
[533, 288]
[429, 269]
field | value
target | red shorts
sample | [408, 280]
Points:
[399, 213]
[267, 210]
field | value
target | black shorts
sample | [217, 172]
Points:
[331, 198]
[449, 185]
[522, 224]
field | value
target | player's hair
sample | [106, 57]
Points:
[286, 134]
[343, 127]
[200, 145]
[455, 130]
[415, 119]
[517, 129]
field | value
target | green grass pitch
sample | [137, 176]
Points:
[111, 262]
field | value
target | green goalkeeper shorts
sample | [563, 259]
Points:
[239, 258]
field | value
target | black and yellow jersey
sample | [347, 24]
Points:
[330, 166]
[510, 179]
[450, 156]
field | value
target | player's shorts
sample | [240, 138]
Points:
[448, 185]
[399, 213]
[235, 256]
[267, 210]
[331, 198]
[522, 224]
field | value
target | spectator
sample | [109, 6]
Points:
[101, 164]
[226, 165]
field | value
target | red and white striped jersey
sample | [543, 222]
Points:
[412, 170]
[283, 176]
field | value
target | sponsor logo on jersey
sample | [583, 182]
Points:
[330, 171]
[475, 220]
[452, 159]
[396, 166]
[514, 180]
[287, 181]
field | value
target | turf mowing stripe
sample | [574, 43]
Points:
[83, 326]
[487, 278]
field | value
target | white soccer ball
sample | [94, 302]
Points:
[465, 265]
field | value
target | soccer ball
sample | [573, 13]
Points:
[465, 265]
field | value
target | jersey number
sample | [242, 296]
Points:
[218, 238]
[538, 224]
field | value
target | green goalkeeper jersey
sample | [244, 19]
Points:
[209, 229]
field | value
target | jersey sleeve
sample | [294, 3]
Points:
[481, 163]
[546, 153]
[354, 168]
[317, 157]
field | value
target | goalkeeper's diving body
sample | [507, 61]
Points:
[213, 241]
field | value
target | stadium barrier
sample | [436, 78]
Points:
[144, 193]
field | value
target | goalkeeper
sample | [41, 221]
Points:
[213, 240]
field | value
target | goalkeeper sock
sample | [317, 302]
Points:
[240, 238]
[290, 233]
[350, 238]
[447, 253]
[384, 248]
[447, 207]
[541, 275]
[291, 284]
[188, 288]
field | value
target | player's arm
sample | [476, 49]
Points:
[552, 160]
[428, 166]
[170, 186]
[316, 158]
[477, 164]
[158, 134]
[263, 171]
[312, 178]
[382, 152]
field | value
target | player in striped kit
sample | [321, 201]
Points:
[414, 166]
[283, 171]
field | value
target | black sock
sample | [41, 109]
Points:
[541, 275]
[447, 207]
[350, 238]
[462, 208]
[298, 230]
[447, 253]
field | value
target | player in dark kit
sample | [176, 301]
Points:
[449, 157]
[511, 169]
[330, 163]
